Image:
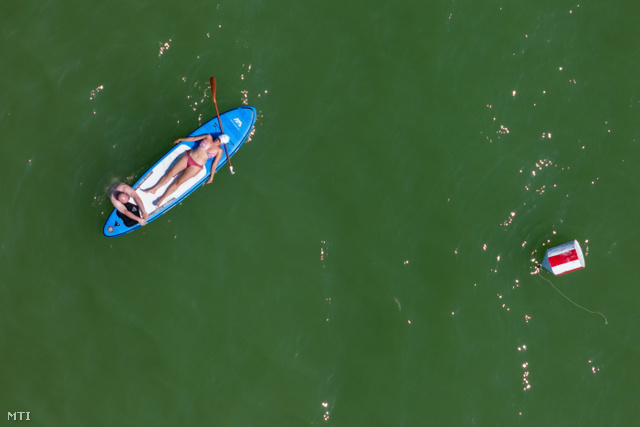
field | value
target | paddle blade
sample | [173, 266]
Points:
[213, 87]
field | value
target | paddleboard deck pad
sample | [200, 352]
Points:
[237, 123]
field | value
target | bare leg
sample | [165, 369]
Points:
[180, 165]
[188, 173]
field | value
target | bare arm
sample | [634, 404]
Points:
[192, 138]
[123, 210]
[215, 165]
[138, 201]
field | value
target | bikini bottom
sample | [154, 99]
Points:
[191, 162]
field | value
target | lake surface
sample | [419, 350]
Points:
[373, 260]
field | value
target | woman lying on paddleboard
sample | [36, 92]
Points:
[190, 163]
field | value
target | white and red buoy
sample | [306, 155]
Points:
[564, 258]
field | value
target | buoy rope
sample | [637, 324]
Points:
[606, 322]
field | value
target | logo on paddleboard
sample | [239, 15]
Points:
[237, 123]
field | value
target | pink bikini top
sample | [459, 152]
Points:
[209, 155]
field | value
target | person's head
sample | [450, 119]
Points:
[123, 197]
[223, 138]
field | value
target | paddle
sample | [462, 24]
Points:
[215, 104]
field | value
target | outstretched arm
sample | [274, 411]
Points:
[192, 138]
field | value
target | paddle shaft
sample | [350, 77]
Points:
[215, 104]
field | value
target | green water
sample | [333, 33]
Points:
[371, 262]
